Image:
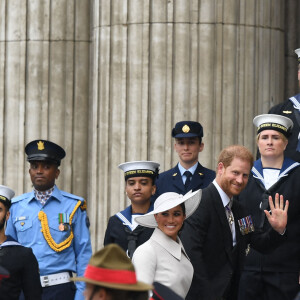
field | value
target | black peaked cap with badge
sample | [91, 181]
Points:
[186, 129]
[44, 150]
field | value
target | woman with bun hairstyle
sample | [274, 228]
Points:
[162, 258]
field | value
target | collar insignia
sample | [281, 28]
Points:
[287, 112]
[174, 174]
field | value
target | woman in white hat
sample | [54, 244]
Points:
[276, 275]
[162, 258]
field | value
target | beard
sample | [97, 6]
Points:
[231, 190]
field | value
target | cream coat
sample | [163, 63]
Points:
[162, 260]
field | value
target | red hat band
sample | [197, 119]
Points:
[110, 276]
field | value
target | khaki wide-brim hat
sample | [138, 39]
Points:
[167, 201]
[110, 267]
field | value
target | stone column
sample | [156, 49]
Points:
[44, 87]
[158, 62]
[292, 42]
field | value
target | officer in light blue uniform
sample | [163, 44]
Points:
[53, 223]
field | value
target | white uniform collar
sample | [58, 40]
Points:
[175, 249]
[223, 195]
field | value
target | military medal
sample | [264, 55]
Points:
[230, 219]
[63, 220]
[246, 225]
[229, 214]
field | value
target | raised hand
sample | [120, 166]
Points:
[277, 216]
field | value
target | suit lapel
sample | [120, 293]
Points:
[218, 204]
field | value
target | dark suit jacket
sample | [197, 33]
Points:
[171, 181]
[207, 239]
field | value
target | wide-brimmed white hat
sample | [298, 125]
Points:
[167, 201]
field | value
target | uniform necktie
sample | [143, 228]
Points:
[296, 105]
[132, 238]
[229, 214]
[188, 175]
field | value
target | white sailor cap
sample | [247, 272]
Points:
[273, 122]
[6, 194]
[297, 51]
[142, 168]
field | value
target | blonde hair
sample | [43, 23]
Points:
[280, 134]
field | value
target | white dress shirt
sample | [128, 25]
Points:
[163, 260]
[226, 200]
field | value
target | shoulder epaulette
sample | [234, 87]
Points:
[83, 206]
[71, 196]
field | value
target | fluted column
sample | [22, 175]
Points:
[44, 87]
[158, 62]
[292, 42]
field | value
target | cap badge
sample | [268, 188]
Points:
[40, 145]
[186, 129]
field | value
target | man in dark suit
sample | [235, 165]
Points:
[217, 234]
[291, 108]
[188, 174]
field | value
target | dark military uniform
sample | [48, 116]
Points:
[24, 272]
[120, 231]
[287, 109]
[171, 180]
[121, 228]
[275, 274]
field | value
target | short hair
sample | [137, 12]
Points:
[235, 151]
[192, 137]
[6, 203]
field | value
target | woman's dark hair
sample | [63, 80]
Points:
[182, 205]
